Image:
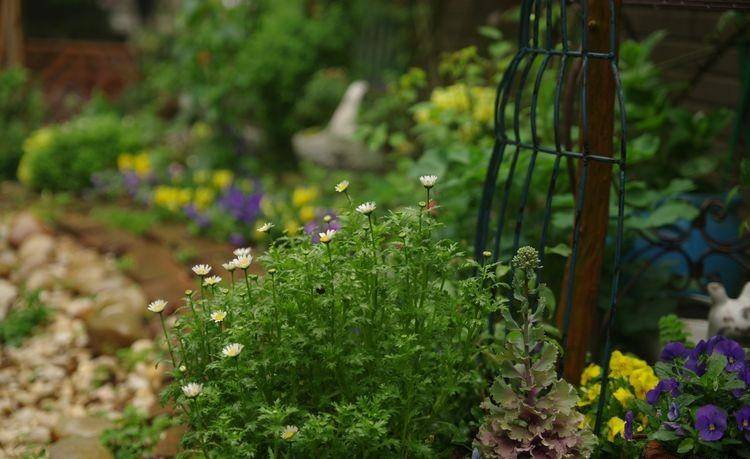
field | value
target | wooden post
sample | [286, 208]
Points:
[595, 211]
[11, 34]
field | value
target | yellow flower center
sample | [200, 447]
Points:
[711, 427]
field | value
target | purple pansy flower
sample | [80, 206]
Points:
[665, 385]
[244, 207]
[694, 361]
[628, 431]
[673, 351]
[193, 214]
[713, 342]
[710, 422]
[237, 239]
[734, 353]
[131, 182]
[743, 420]
[675, 427]
[674, 411]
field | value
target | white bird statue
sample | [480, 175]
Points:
[729, 316]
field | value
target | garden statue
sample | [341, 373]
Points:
[336, 145]
[729, 316]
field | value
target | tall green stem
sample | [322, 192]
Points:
[166, 337]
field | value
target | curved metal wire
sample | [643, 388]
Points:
[539, 54]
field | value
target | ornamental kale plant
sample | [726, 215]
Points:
[701, 406]
[364, 342]
[530, 412]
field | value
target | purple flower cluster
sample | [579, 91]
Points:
[244, 207]
[710, 421]
[196, 216]
[327, 220]
[695, 358]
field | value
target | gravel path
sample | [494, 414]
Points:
[63, 385]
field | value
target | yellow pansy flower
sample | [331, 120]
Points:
[643, 380]
[291, 227]
[621, 365]
[307, 213]
[142, 164]
[171, 198]
[622, 395]
[590, 394]
[303, 195]
[222, 178]
[204, 196]
[125, 162]
[590, 372]
[616, 427]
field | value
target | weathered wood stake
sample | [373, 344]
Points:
[598, 140]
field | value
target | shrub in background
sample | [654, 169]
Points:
[362, 344]
[21, 111]
[63, 157]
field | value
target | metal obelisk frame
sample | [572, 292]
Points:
[598, 164]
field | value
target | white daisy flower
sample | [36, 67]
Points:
[211, 281]
[242, 252]
[229, 266]
[192, 389]
[366, 208]
[201, 270]
[218, 316]
[327, 236]
[232, 350]
[428, 181]
[341, 186]
[289, 432]
[265, 227]
[243, 261]
[157, 306]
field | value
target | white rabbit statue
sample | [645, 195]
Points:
[729, 316]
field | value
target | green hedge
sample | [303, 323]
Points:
[63, 157]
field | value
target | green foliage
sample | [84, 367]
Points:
[21, 111]
[367, 344]
[671, 329]
[134, 435]
[22, 320]
[322, 94]
[530, 412]
[249, 62]
[63, 157]
[135, 221]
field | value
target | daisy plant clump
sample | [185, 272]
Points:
[362, 341]
[630, 379]
[530, 412]
[700, 407]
